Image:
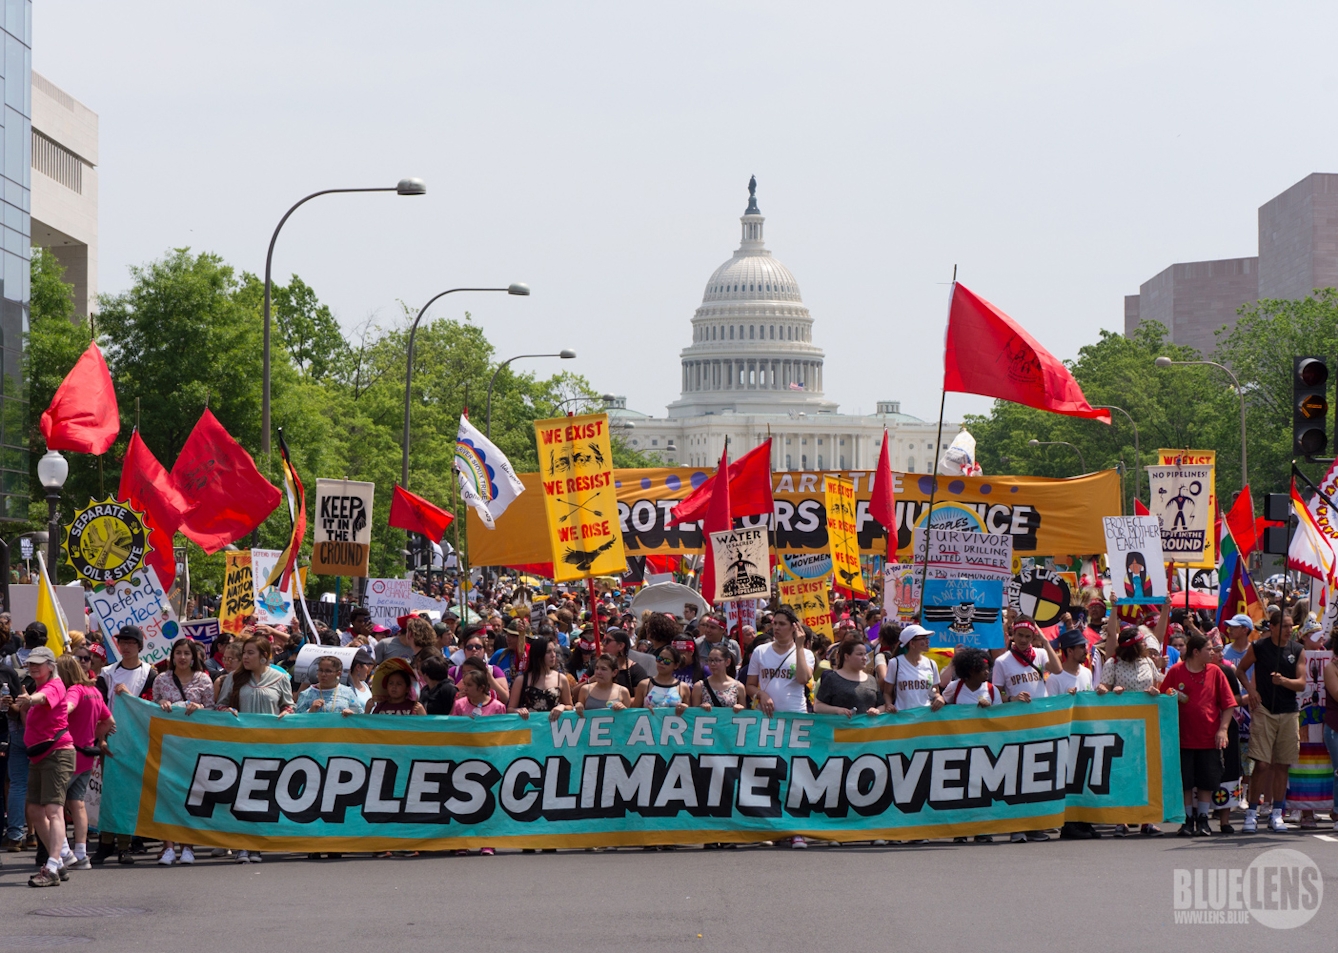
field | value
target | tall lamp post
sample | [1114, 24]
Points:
[1033, 442]
[515, 288]
[52, 469]
[606, 398]
[1137, 458]
[403, 187]
[1164, 361]
[565, 354]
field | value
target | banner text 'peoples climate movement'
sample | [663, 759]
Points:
[637, 777]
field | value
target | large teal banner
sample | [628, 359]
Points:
[369, 782]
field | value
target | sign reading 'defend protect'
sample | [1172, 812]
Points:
[316, 782]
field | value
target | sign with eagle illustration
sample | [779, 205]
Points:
[964, 612]
[742, 564]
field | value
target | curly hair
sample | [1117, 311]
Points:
[421, 632]
[659, 628]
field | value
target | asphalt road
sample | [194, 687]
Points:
[1112, 895]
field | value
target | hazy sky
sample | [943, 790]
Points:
[1059, 154]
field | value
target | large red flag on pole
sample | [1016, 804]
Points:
[988, 353]
[228, 495]
[719, 517]
[83, 416]
[749, 489]
[882, 502]
[146, 486]
[1240, 522]
[411, 512]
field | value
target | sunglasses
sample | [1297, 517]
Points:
[473, 647]
[665, 661]
[84, 658]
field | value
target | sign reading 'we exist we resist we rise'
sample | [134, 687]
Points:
[576, 467]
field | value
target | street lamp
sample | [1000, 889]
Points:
[566, 354]
[606, 398]
[515, 288]
[1164, 361]
[1138, 466]
[52, 469]
[403, 187]
[1033, 442]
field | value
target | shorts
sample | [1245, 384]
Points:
[1275, 739]
[1201, 768]
[48, 778]
[78, 786]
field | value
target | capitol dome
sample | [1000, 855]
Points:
[752, 349]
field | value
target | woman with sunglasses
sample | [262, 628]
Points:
[690, 669]
[474, 648]
[664, 690]
[719, 689]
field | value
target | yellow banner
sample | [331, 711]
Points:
[576, 461]
[1045, 517]
[842, 535]
[1199, 458]
[239, 592]
[808, 599]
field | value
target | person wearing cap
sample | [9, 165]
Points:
[50, 749]
[1073, 677]
[911, 677]
[507, 658]
[712, 633]
[1239, 629]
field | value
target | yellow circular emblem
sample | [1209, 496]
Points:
[107, 541]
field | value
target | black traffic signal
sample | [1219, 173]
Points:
[1278, 509]
[1310, 406]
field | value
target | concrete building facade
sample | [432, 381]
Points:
[1298, 253]
[15, 253]
[65, 186]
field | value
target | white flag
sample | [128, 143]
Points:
[487, 482]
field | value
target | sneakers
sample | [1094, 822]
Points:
[82, 863]
[125, 857]
[1227, 828]
[187, 856]
[1201, 827]
[487, 852]
[1037, 837]
[959, 840]
[462, 853]
[1017, 838]
[1251, 822]
[1186, 829]
[1150, 830]
[984, 838]
[168, 857]
[798, 843]
[101, 854]
[220, 852]
[243, 857]
[255, 856]
[46, 877]
[1121, 830]
[1277, 825]
[1335, 825]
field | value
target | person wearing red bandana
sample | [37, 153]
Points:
[1020, 672]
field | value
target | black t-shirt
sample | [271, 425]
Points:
[837, 690]
[630, 677]
[439, 700]
[1285, 659]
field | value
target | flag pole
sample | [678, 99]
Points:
[933, 466]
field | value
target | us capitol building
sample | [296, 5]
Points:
[753, 366]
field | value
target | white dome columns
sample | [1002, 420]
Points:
[738, 374]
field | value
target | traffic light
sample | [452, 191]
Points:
[1277, 509]
[1310, 406]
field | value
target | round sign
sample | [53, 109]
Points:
[1039, 593]
[107, 542]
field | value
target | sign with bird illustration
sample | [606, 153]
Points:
[580, 501]
[964, 612]
[843, 535]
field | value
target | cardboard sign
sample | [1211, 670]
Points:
[272, 605]
[901, 591]
[341, 528]
[1133, 553]
[203, 631]
[1040, 594]
[239, 592]
[964, 555]
[843, 535]
[742, 564]
[1181, 498]
[576, 464]
[139, 600]
[1199, 458]
[808, 599]
[964, 612]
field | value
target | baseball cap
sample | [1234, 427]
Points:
[41, 654]
[913, 631]
[1242, 620]
[130, 632]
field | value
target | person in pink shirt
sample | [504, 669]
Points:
[90, 723]
[46, 735]
[477, 700]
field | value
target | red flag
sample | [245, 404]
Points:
[719, 517]
[749, 489]
[417, 515]
[1140, 509]
[146, 486]
[988, 353]
[882, 505]
[1240, 521]
[83, 415]
[228, 495]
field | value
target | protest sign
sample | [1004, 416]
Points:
[901, 591]
[203, 631]
[742, 564]
[740, 613]
[635, 777]
[1180, 499]
[964, 612]
[1045, 517]
[1039, 593]
[342, 530]
[273, 606]
[307, 655]
[808, 599]
[139, 600]
[106, 542]
[1199, 458]
[387, 600]
[1133, 553]
[580, 502]
[239, 593]
[955, 554]
[843, 535]
[804, 565]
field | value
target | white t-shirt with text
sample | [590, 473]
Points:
[775, 676]
[912, 681]
[958, 694]
[1014, 676]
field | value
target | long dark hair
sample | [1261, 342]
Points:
[243, 675]
[536, 655]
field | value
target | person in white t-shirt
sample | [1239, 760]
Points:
[779, 671]
[1075, 677]
[911, 679]
[1020, 672]
[972, 686]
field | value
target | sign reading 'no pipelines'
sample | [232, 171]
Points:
[342, 529]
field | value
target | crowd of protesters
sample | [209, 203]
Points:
[1240, 690]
